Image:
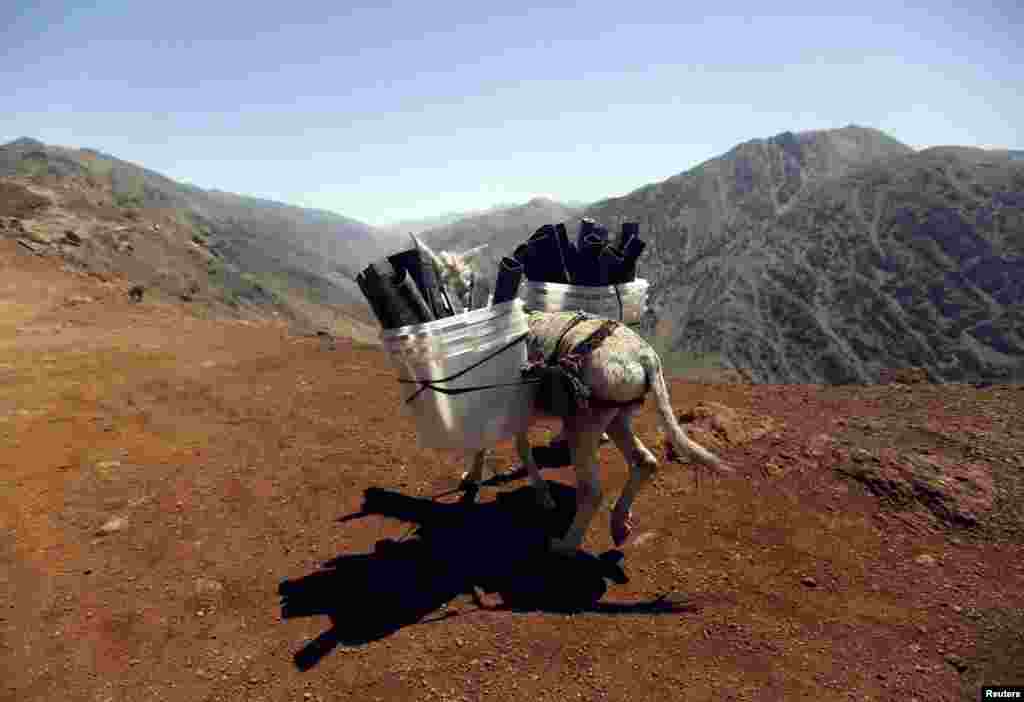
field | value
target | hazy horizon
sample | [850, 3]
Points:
[411, 112]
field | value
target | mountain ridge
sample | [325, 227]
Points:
[760, 255]
[226, 248]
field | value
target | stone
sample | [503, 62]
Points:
[207, 586]
[112, 525]
[925, 560]
[718, 425]
[957, 662]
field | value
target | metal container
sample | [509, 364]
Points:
[601, 300]
[437, 350]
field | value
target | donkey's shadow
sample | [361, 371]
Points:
[457, 548]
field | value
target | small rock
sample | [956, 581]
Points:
[208, 586]
[957, 662]
[862, 456]
[809, 581]
[925, 560]
[114, 524]
[958, 609]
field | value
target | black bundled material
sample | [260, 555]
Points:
[629, 231]
[406, 288]
[521, 253]
[510, 273]
[393, 305]
[426, 280]
[544, 258]
[610, 266]
[411, 295]
[548, 256]
[567, 251]
[370, 283]
[634, 247]
[586, 227]
[588, 266]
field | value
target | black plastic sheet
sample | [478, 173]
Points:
[393, 306]
[510, 274]
[425, 277]
[407, 289]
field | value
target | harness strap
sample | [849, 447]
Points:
[424, 384]
[570, 364]
[580, 317]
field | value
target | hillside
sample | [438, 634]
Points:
[199, 509]
[220, 249]
[828, 256]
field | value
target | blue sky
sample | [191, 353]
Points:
[386, 113]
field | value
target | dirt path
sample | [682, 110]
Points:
[161, 477]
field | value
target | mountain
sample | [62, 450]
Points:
[827, 256]
[416, 226]
[228, 249]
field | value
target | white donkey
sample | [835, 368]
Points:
[619, 373]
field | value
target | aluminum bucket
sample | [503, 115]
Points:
[601, 300]
[440, 349]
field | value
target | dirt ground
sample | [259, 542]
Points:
[202, 510]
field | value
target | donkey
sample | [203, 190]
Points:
[619, 372]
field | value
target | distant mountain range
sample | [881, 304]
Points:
[823, 256]
[827, 256]
[820, 256]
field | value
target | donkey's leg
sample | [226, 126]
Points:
[563, 436]
[585, 432]
[543, 494]
[540, 486]
[642, 467]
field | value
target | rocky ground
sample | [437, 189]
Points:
[206, 510]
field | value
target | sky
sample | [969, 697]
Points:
[413, 109]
